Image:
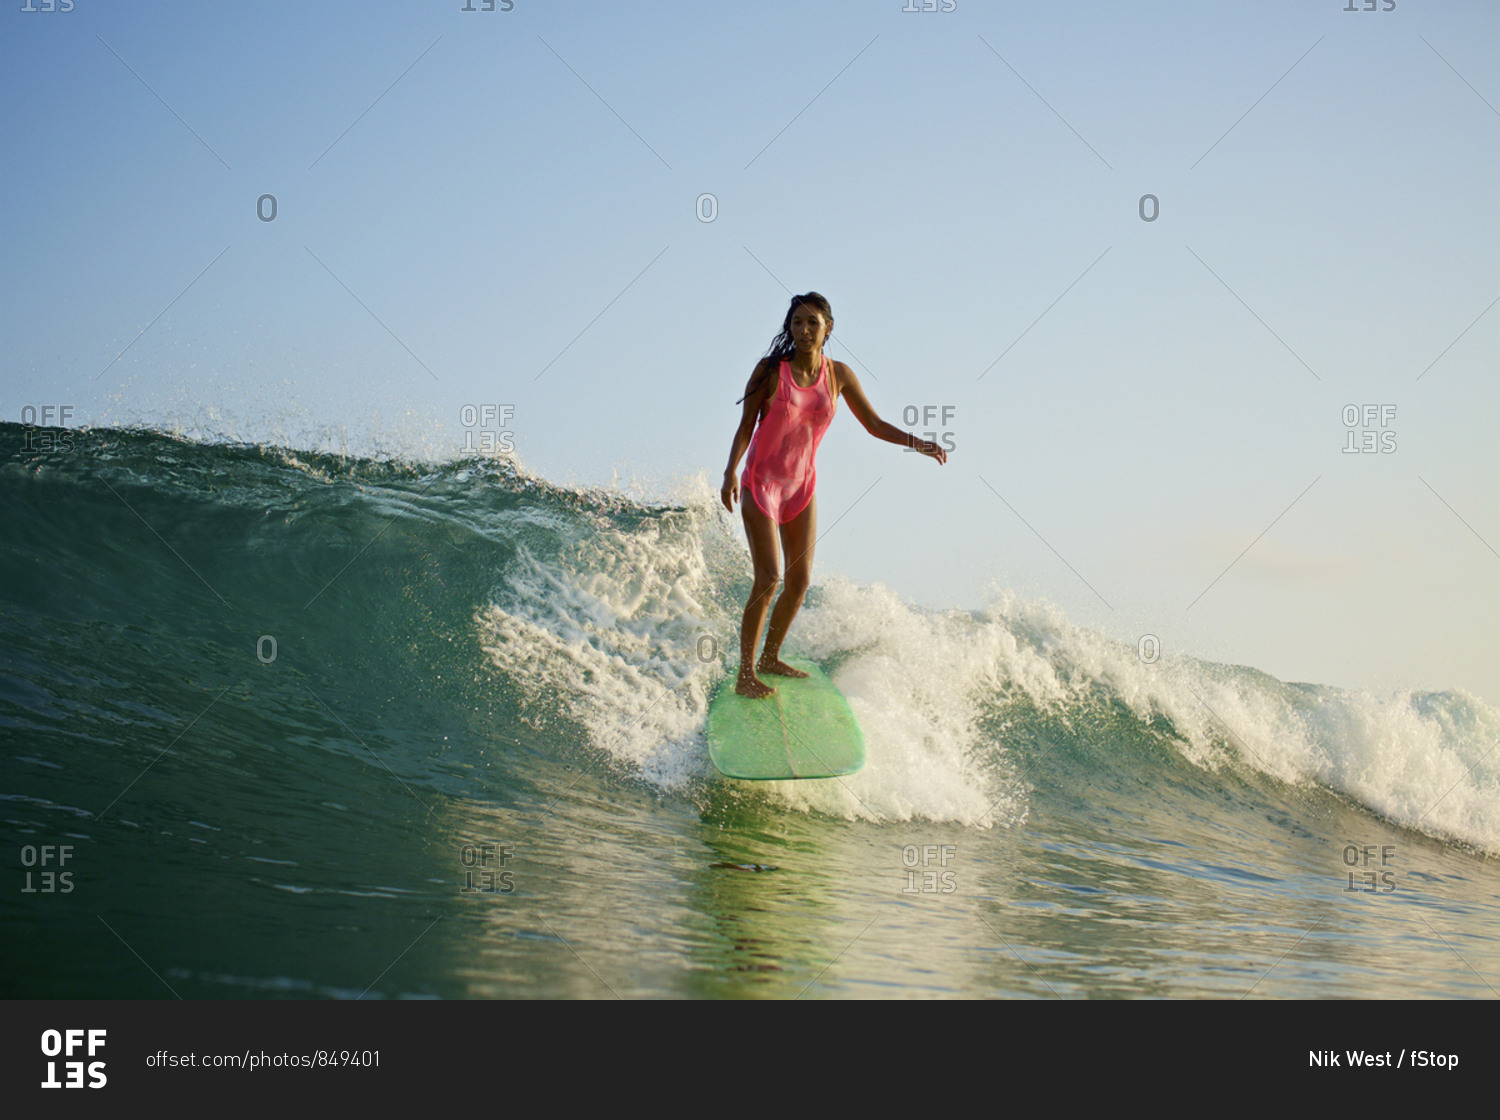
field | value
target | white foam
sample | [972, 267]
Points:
[610, 629]
[1423, 760]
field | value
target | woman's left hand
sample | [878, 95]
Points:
[929, 448]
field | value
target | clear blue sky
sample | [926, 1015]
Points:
[1133, 402]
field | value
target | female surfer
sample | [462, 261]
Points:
[789, 403]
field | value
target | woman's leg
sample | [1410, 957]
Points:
[760, 530]
[797, 539]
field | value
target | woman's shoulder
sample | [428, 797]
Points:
[765, 370]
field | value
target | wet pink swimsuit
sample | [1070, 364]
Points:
[779, 470]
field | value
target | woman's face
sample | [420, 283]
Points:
[809, 328]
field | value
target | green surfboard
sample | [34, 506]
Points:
[802, 730]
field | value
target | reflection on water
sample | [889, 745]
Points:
[628, 898]
[252, 881]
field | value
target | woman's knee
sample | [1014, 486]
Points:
[766, 580]
[798, 580]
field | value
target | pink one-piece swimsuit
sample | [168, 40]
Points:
[780, 472]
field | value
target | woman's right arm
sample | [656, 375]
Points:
[755, 398]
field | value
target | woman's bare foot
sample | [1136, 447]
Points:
[779, 667]
[749, 685]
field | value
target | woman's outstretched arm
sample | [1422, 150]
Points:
[859, 404]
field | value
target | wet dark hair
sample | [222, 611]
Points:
[782, 346]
